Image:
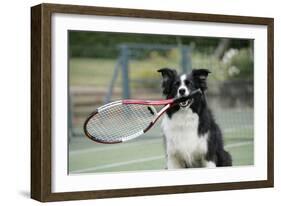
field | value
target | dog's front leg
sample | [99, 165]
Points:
[173, 162]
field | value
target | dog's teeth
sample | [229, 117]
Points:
[186, 103]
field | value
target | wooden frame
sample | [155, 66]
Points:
[41, 101]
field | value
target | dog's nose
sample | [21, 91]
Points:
[182, 91]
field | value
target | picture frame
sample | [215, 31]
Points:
[41, 101]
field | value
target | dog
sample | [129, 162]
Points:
[192, 137]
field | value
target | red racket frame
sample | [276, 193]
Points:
[168, 103]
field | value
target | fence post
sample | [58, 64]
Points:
[125, 71]
[185, 59]
[113, 80]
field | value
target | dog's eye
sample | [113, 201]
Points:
[188, 83]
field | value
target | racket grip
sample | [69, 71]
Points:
[185, 98]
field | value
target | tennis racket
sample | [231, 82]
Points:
[123, 120]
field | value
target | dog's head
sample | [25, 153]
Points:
[175, 85]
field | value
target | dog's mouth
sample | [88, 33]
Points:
[186, 103]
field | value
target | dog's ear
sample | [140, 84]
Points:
[200, 77]
[169, 76]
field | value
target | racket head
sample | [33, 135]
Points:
[90, 135]
[117, 122]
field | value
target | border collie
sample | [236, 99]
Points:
[192, 137]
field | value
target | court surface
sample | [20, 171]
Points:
[147, 151]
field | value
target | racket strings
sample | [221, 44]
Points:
[116, 123]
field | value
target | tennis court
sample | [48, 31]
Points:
[147, 152]
[100, 72]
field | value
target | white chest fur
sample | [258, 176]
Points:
[182, 139]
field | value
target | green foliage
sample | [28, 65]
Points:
[210, 62]
[105, 44]
[242, 65]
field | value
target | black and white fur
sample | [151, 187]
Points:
[192, 137]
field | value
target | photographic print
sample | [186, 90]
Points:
[212, 129]
[129, 102]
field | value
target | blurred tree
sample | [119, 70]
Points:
[104, 44]
[241, 65]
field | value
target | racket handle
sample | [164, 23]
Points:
[185, 98]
